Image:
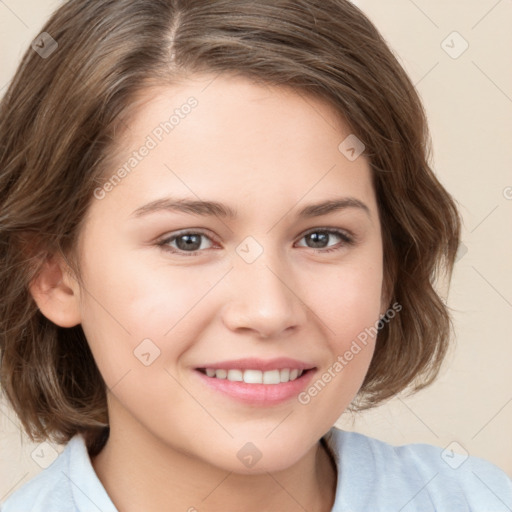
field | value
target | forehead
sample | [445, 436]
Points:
[226, 138]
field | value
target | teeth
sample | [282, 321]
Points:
[256, 376]
[221, 374]
[272, 377]
[253, 377]
[235, 375]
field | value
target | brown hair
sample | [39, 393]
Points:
[62, 115]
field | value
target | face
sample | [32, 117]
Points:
[250, 282]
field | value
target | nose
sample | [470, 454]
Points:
[263, 300]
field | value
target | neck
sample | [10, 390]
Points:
[142, 473]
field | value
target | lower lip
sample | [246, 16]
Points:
[258, 394]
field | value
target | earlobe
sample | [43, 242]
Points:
[56, 293]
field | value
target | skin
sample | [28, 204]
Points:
[266, 152]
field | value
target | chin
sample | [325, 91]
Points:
[260, 456]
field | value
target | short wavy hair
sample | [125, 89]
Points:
[62, 115]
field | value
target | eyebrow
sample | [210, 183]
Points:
[214, 208]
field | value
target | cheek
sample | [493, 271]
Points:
[349, 307]
[347, 297]
[133, 308]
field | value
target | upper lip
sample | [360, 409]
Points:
[251, 363]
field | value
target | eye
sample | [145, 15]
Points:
[188, 242]
[319, 239]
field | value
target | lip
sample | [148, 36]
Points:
[262, 395]
[252, 363]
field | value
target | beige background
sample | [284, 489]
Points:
[469, 104]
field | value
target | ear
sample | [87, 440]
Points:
[56, 293]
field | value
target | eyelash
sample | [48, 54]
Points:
[347, 240]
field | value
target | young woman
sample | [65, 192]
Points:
[219, 230]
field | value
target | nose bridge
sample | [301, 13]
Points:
[261, 295]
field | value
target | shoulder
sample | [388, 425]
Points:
[70, 484]
[415, 477]
[48, 488]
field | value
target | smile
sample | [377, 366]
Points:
[250, 376]
[263, 387]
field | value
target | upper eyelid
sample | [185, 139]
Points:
[183, 232]
[329, 230]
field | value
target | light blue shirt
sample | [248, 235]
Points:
[373, 476]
